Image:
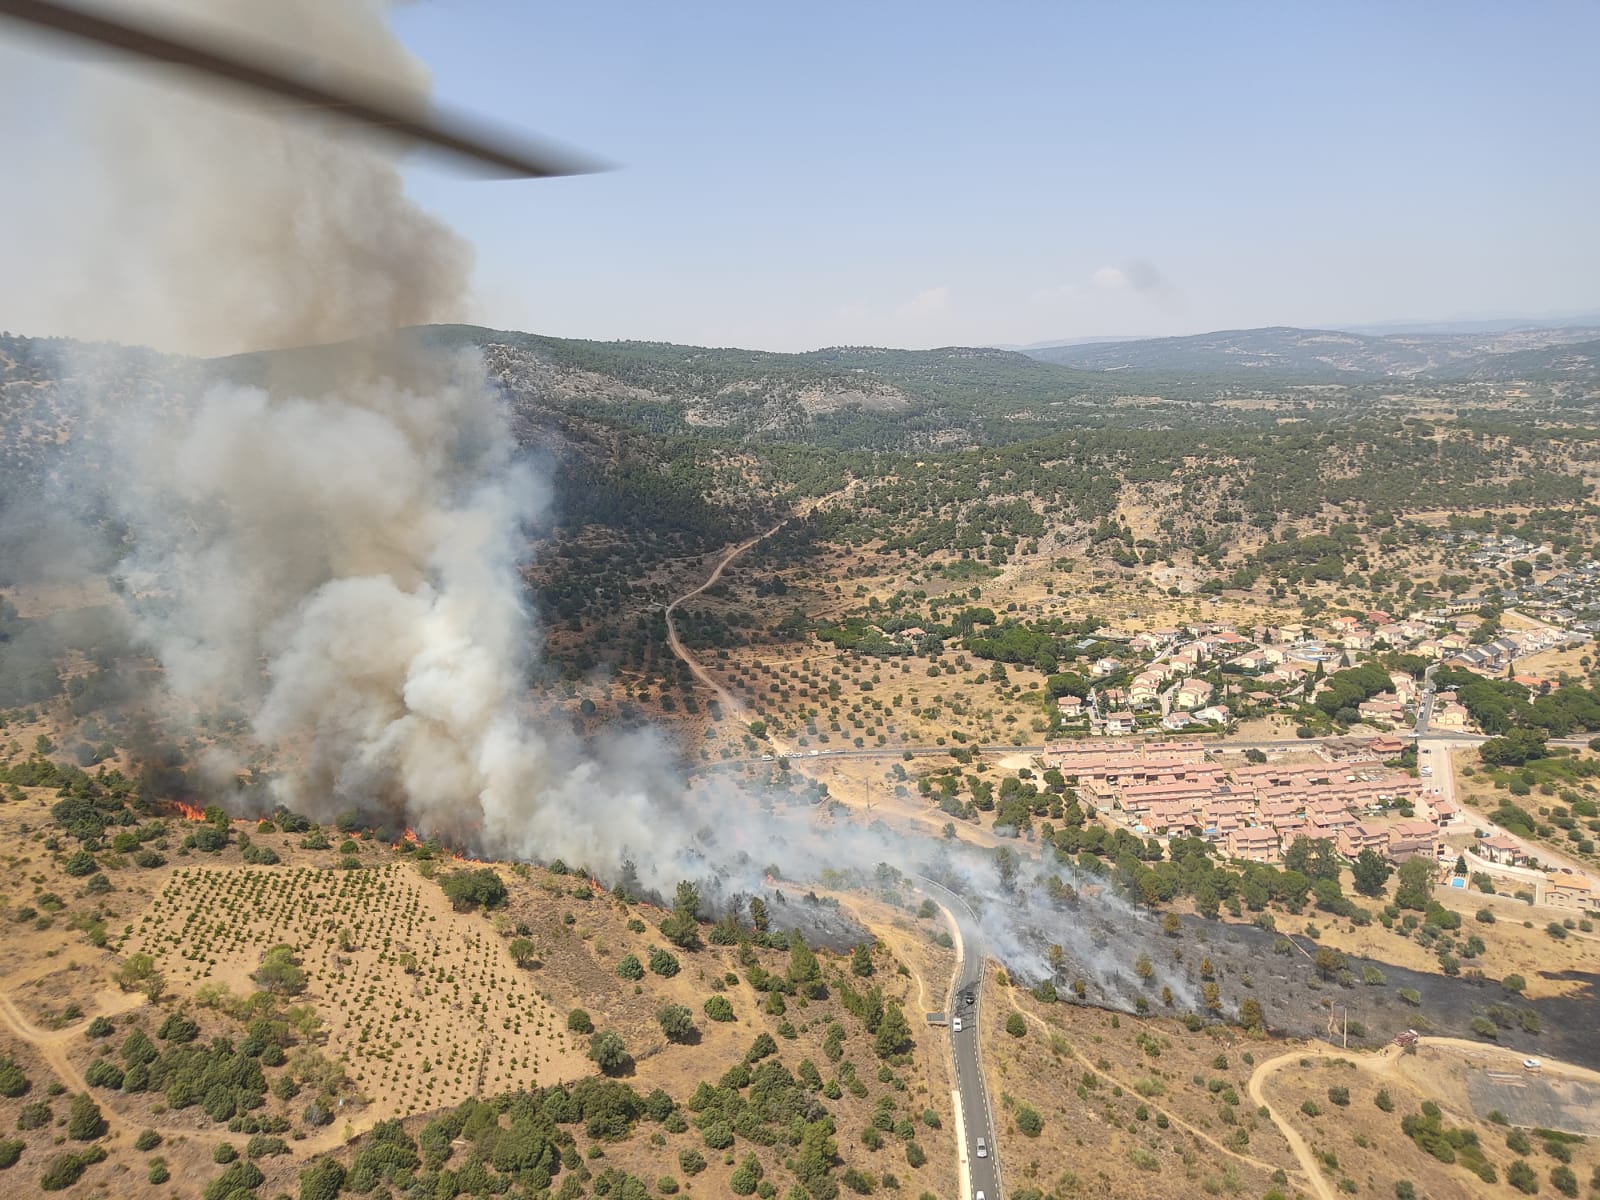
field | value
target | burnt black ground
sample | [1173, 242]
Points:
[1103, 946]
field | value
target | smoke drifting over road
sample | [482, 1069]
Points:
[335, 554]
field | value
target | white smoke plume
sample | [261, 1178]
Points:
[335, 554]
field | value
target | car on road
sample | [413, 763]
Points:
[766, 758]
[956, 1025]
[968, 999]
[1531, 1064]
[983, 1148]
[813, 753]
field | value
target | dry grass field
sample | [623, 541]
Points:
[1129, 1107]
[1349, 1110]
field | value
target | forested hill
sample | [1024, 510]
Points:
[847, 397]
[1325, 354]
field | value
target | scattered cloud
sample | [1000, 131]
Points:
[1137, 276]
[930, 302]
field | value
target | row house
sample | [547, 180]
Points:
[1193, 792]
[1414, 838]
[1363, 835]
[1220, 818]
[1348, 750]
[1281, 810]
[1252, 844]
[1171, 817]
[1329, 822]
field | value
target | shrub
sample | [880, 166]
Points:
[103, 1073]
[10, 1151]
[469, 889]
[80, 864]
[147, 1141]
[84, 1122]
[322, 1181]
[718, 1009]
[608, 1051]
[224, 1154]
[663, 962]
[677, 1022]
[1311, 1108]
[1339, 1096]
[630, 967]
[1521, 1176]
[1028, 1121]
[13, 1082]
[1564, 1181]
[1016, 1026]
[100, 1027]
[238, 1175]
[579, 1021]
[65, 1169]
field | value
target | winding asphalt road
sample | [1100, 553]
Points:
[976, 1119]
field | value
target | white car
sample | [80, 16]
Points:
[956, 1025]
[983, 1148]
[1531, 1064]
[814, 753]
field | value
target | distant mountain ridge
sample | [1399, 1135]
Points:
[1308, 354]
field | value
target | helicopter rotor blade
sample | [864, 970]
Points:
[251, 68]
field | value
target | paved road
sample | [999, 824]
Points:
[977, 1120]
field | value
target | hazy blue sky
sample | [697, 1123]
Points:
[918, 174]
[796, 175]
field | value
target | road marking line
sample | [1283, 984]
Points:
[964, 1180]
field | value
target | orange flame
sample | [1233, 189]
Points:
[189, 811]
[410, 835]
[594, 885]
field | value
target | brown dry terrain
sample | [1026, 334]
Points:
[409, 1006]
[1130, 1107]
[1353, 1138]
